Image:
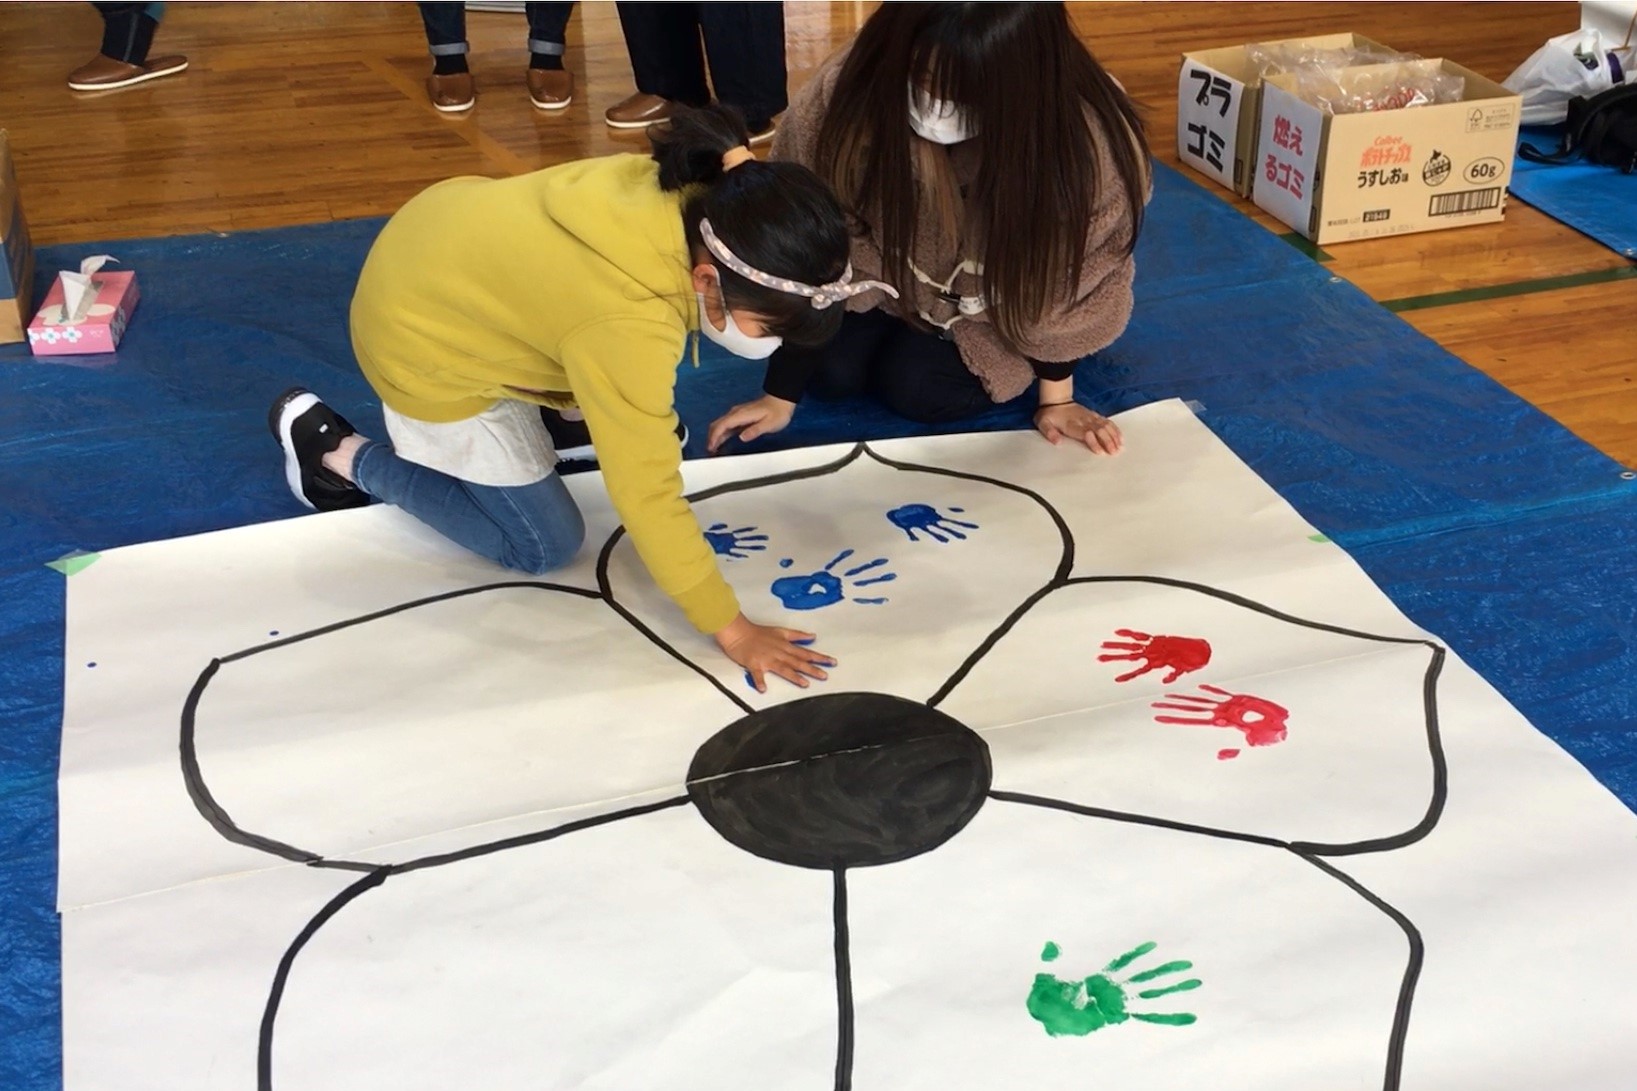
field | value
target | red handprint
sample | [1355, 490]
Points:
[1261, 721]
[1178, 654]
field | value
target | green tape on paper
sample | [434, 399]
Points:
[1317, 538]
[78, 561]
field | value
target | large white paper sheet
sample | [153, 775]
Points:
[1125, 776]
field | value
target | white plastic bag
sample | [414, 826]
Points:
[1569, 66]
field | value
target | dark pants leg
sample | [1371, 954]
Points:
[745, 45]
[548, 27]
[445, 25]
[917, 375]
[445, 28]
[127, 32]
[666, 58]
[836, 370]
[922, 377]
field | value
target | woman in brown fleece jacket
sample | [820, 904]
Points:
[996, 175]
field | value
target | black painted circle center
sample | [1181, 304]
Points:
[841, 780]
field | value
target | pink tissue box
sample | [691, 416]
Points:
[101, 327]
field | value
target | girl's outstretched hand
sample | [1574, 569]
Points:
[1074, 421]
[765, 649]
[748, 420]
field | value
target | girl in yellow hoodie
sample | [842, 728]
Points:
[577, 286]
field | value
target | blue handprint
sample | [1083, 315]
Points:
[735, 544]
[824, 587]
[928, 520]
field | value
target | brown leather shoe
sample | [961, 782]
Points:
[452, 94]
[638, 112]
[103, 73]
[551, 88]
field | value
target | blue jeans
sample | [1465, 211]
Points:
[532, 528]
[446, 27]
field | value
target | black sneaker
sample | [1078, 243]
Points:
[572, 440]
[307, 430]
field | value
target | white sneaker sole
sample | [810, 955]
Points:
[288, 413]
[553, 105]
[458, 109]
[582, 453]
[142, 77]
[631, 124]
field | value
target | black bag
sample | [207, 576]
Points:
[1602, 128]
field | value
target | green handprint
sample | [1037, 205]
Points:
[1080, 1007]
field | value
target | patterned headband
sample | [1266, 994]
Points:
[823, 295]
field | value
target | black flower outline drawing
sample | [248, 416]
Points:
[752, 758]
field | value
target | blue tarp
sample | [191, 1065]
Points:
[1596, 201]
[1485, 521]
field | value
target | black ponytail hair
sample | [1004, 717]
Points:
[777, 217]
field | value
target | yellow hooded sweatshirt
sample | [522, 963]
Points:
[566, 286]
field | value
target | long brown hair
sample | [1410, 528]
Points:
[1022, 75]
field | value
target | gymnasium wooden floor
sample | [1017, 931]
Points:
[301, 112]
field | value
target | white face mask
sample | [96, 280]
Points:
[734, 339]
[938, 121]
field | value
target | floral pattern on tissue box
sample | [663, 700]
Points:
[100, 329]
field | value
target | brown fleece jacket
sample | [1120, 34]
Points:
[1073, 327]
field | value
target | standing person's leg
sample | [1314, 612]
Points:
[450, 86]
[127, 31]
[445, 26]
[922, 377]
[551, 86]
[127, 36]
[745, 44]
[666, 58]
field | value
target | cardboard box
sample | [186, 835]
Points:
[16, 253]
[97, 326]
[1390, 172]
[1219, 94]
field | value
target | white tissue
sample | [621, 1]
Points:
[78, 290]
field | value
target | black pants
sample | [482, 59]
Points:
[745, 43]
[127, 31]
[916, 375]
[446, 27]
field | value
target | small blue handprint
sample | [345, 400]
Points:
[735, 544]
[928, 520]
[824, 588]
